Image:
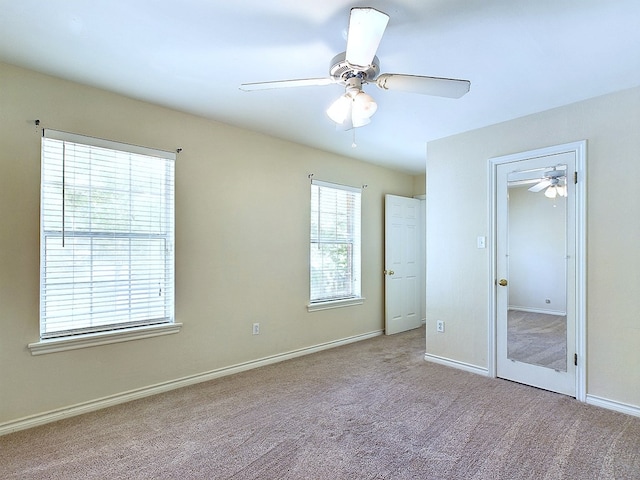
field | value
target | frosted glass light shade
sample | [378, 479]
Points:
[551, 192]
[364, 105]
[359, 108]
[340, 109]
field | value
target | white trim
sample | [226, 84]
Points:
[467, 367]
[101, 338]
[492, 367]
[102, 143]
[589, 399]
[347, 302]
[613, 405]
[423, 256]
[338, 186]
[581, 269]
[580, 150]
[86, 407]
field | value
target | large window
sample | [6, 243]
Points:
[335, 243]
[107, 237]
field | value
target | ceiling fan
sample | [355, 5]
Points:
[358, 66]
[555, 183]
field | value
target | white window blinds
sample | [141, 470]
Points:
[107, 235]
[335, 242]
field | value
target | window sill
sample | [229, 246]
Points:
[347, 302]
[103, 338]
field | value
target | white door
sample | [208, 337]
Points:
[536, 272]
[402, 264]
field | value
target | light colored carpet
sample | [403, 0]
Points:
[537, 339]
[371, 410]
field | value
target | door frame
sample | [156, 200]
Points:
[580, 150]
[423, 256]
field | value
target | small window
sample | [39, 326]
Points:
[107, 237]
[335, 244]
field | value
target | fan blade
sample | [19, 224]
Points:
[540, 186]
[366, 27]
[440, 87]
[303, 82]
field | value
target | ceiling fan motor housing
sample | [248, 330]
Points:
[341, 70]
[554, 173]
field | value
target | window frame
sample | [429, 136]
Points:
[119, 329]
[353, 243]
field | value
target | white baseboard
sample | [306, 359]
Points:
[613, 405]
[590, 399]
[456, 364]
[86, 407]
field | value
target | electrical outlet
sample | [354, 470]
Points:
[440, 326]
[256, 329]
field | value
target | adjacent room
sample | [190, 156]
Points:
[386, 239]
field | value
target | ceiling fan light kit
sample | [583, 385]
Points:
[551, 192]
[554, 184]
[354, 108]
[555, 190]
[358, 65]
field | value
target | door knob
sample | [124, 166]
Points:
[503, 282]
[389, 272]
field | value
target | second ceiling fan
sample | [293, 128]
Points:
[555, 183]
[358, 66]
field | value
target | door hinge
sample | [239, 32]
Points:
[575, 177]
[575, 359]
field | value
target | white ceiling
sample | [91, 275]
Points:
[521, 56]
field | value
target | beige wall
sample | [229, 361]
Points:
[420, 184]
[537, 251]
[242, 230]
[458, 272]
